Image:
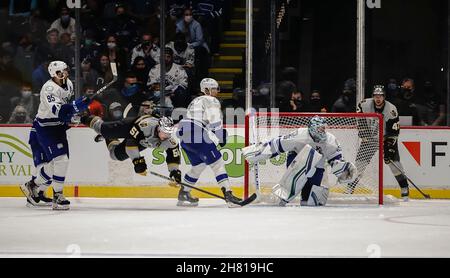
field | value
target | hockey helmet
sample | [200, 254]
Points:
[316, 129]
[379, 90]
[207, 84]
[57, 66]
[166, 125]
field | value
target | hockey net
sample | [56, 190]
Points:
[360, 136]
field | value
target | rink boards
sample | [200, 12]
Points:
[424, 152]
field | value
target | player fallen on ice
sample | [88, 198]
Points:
[369, 139]
[197, 132]
[48, 139]
[139, 133]
[309, 149]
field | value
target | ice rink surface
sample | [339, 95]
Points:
[157, 228]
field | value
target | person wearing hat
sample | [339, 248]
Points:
[379, 104]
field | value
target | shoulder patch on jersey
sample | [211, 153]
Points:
[394, 113]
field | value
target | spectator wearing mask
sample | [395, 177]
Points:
[146, 49]
[346, 103]
[90, 49]
[405, 102]
[116, 53]
[315, 103]
[19, 116]
[27, 100]
[65, 24]
[431, 108]
[392, 89]
[141, 69]
[176, 82]
[193, 32]
[183, 54]
[133, 94]
[292, 98]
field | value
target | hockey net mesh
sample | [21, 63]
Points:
[359, 139]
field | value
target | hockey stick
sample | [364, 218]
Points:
[242, 203]
[418, 189]
[255, 141]
[115, 77]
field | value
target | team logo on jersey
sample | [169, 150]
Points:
[49, 88]
[394, 114]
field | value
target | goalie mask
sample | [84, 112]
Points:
[316, 129]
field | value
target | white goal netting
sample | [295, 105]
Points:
[360, 140]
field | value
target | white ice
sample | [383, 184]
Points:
[157, 228]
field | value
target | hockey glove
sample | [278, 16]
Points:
[390, 150]
[175, 175]
[81, 104]
[140, 167]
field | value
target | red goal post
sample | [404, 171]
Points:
[349, 129]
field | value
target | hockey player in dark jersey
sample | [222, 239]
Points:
[139, 133]
[378, 104]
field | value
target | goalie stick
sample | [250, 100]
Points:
[418, 189]
[242, 203]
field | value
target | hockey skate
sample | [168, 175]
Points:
[230, 198]
[41, 201]
[185, 199]
[405, 193]
[60, 202]
[29, 189]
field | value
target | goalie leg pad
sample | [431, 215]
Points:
[297, 174]
[317, 197]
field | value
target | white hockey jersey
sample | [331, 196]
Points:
[52, 97]
[207, 111]
[175, 77]
[297, 140]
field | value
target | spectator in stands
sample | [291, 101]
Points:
[315, 103]
[431, 108]
[176, 81]
[183, 54]
[19, 116]
[10, 83]
[115, 112]
[116, 53]
[146, 49]
[154, 25]
[37, 26]
[27, 100]
[290, 74]
[39, 76]
[346, 103]
[193, 33]
[90, 48]
[104, 70]
[96, 107]
[133, 94]
[123, 27]
[141, 69]
[405, 102]
[392, 89]
[89, 76]
[92, 18]
[292, 98]
[65, 24]
[52, 49]
[24, 57]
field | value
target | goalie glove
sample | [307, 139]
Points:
[345, 171]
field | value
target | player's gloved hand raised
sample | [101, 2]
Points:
[140, 167]
[176, 176]
[81, 104]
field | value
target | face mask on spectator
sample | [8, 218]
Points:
[117, 114]
[188, 18]
[26, 94]
[111, 45]
[65, 20]
[180, 46]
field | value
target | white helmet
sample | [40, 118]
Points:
[55, 67]
[166, 125]
[208, 84]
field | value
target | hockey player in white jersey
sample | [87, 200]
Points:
[204, 118]
[309, 149]
[48, 138]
